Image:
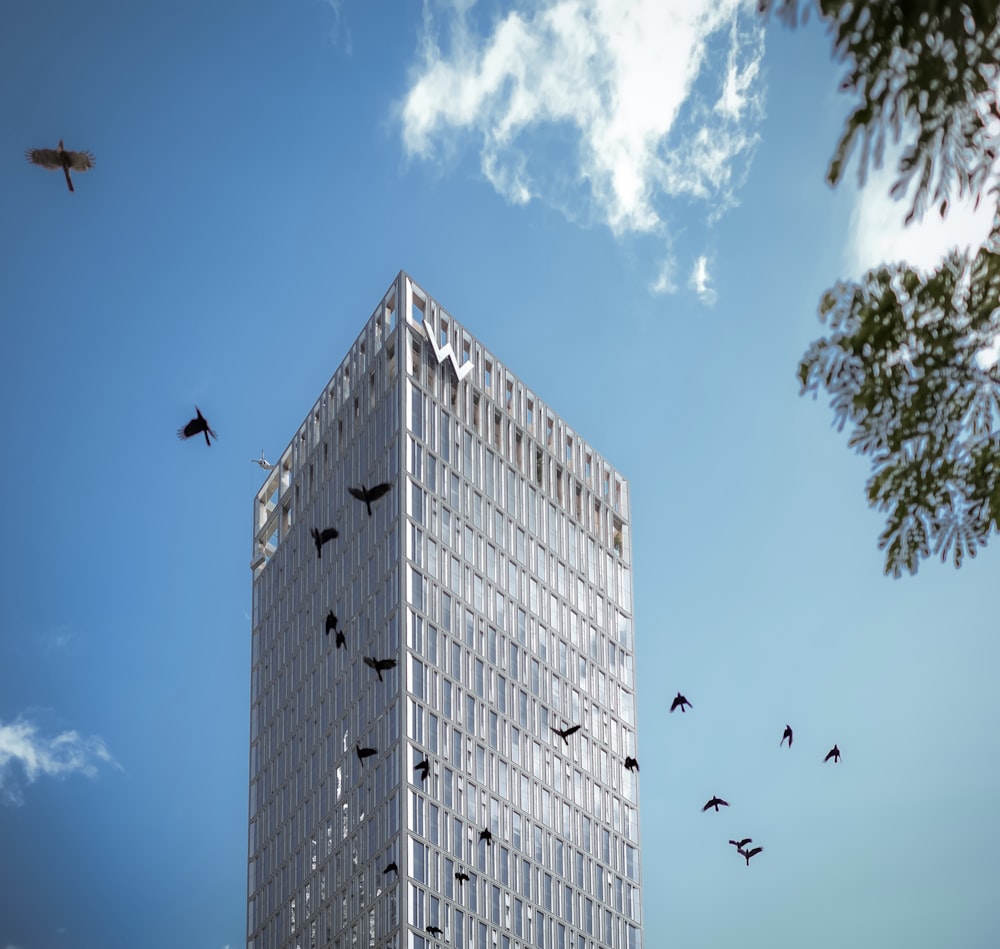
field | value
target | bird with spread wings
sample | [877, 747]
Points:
[53, 158]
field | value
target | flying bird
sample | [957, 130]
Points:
[364, 753]
[320, 537]
[631, 764]
[487, 836]
[424, 768]
[391, 868]
[262, 462]
[564, 733]
[341, 641]
[834, 753]
[786, 734]
[435, 930]
[740, 844]
[370, 494]
[331, 622]
[380, 665]
[715, 802]
[680, 702]
[53, 158]
[751, 853]
[198, 424]
[461, 876]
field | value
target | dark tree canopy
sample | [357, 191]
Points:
[905, 363]
[905, 366]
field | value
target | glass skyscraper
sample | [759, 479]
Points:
[437, 794]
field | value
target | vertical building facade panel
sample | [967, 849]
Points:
[474, 792]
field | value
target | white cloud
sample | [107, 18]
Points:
[699, 281]
[24, 750]
[602, 109]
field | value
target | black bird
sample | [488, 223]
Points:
[564, 733]
[320, 537]
[680, 701]
[751, 853]
[364, 753]
[740, 844]
[370, 494]
[380, 665]
[487, 836]
[424, 768]
[461, 876]
[341, 641]
[786, 734]
[435, 930]
[53, 158]
[715, 802]
[834, 753]
[198, 424]
[631, 764]
[391, 868]
[331, 622]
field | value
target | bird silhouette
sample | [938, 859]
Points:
[262, 462]
[461, 876]
[786, 734]
[751, 853]
[424, 768]
[487, 836]
[834, 753]
[341, 641]
[715, 802]
[198, 424]
[320, 537]
[564, 733]
[53, 158]
[740, 844]
[391, 868]
[631, 764]
[380, 665]
[363, 753]
[370, 494]
[331, 622]
[435, 930]
[680, 702]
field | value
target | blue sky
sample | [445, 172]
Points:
[631, 212]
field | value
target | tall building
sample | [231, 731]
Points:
[441, 796]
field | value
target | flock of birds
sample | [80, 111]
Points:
[681, 702]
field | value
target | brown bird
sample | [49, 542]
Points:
[751, 853]
[53, 158]
[487, 836]
[331, 622]
[786, 734]
[715, 802]
[424, 768]
[631, 764]
[363, 753]
[834, 753]
[370, 494]
[320, 537]
[380, 665]
[198, 424]
[740, 844]
[564, 733]
[680, 702]
[391, 868]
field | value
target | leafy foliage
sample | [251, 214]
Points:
[904, 365]
[927, 67]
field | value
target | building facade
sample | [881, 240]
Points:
[437, 793]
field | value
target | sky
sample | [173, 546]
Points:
[626, 204]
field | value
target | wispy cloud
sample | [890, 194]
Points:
[604, 110]
[25, 755]
[700, 281]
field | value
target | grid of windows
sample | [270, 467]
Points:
[499, 577]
